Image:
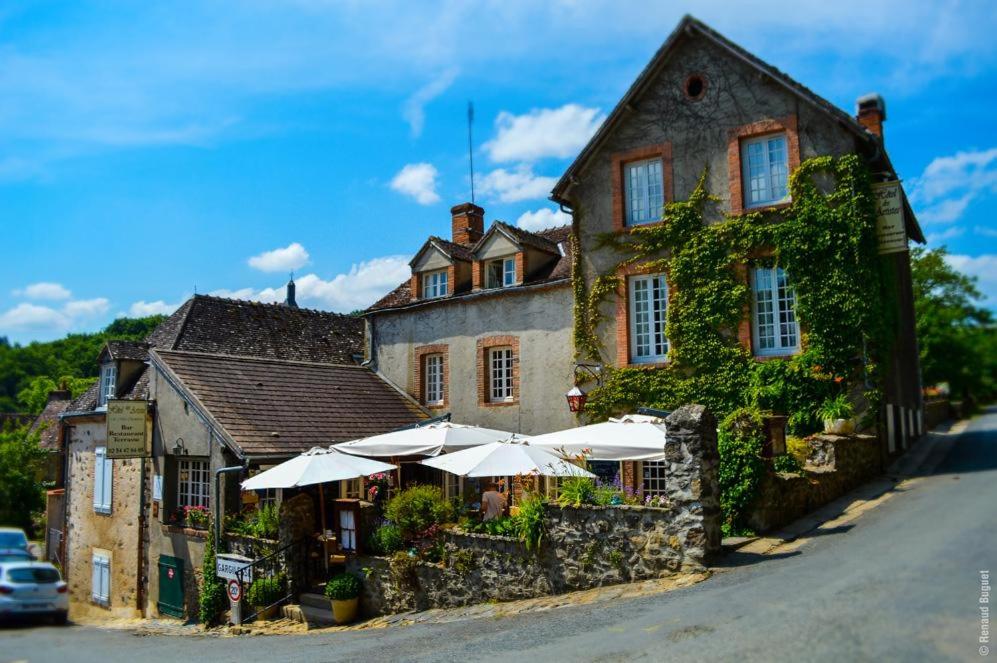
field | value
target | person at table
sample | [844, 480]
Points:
[492, 502]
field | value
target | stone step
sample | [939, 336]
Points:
[310, 616]
[314, 600]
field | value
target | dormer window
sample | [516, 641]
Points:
[500, 273]
[434, 284]
[108, 382]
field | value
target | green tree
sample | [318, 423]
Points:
[22, 493]
[35, 395]
[956, 337]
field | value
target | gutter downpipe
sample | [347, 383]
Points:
[218, 511]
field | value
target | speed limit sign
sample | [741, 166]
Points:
[234, 590]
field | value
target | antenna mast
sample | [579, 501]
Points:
[470, 145]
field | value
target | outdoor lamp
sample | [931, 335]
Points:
[576, 399]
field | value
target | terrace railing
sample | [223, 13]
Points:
[297, 566]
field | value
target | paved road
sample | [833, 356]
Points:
[900, 583]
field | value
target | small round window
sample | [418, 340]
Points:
[695, 87]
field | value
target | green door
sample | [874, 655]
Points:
[170, 586]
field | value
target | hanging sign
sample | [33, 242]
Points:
[126, 428]
[891, 234]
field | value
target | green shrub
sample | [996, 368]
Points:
[786, 463]
[416, 509]
[385, 540]
[266, 591]
[343, 587]
[532, 523]
[798, 448]
[740, 441]
[212, 598]
[838, 407]
[266, 522]
[576, 491]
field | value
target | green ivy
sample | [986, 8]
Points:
[845, 301]
[739, 442]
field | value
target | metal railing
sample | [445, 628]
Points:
[53, 546]
[294, 568]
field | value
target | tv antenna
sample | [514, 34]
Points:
[470, 145]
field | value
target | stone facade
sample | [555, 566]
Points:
[584, 547]
[835, 465]
[539, 320]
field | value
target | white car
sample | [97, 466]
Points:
[32, 589]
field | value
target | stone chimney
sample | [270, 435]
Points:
[870, 111]
[468, 223]
[290, 301]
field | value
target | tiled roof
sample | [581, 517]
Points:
[527, 238]
[275, 331]
[47, 423]
[270, 407]
[551, 239]
[129, 350]
[452, 249]
[137, 389]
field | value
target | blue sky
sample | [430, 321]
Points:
[148, 149]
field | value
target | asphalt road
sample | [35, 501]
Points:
[899, 583]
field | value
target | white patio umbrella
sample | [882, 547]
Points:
[317, 465]
[632, 437]
[428, 440]
[500, 459]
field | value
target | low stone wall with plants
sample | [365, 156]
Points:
[566, 547]
[835, 465]
[936, 412]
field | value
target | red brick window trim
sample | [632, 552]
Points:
[620, 160]
[735, 165]
[623, 336]
[484, 359]
[745, 330]
[422, 353]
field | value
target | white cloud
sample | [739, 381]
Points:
[291, 257]
[414, 110]
[510, 186]
[949, 184]
[984, 268]
[364, 284]
[543, 218]
[142, 308]
[417, 180]
[86, 308]
[948, 233]
[44, 290]
[32, 317]
[546, 132]
[986, 232]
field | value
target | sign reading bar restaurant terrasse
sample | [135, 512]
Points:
[891, 234]
[126, 429]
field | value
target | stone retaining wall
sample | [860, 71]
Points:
[836, 464]
[936, 412]
[585, 547]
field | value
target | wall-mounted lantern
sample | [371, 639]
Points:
[576, 397]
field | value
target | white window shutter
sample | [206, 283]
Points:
[100, 456]
[108, 482]
[105, 580]
[95, 578]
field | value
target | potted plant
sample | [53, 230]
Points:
[196, 517]
[343, 591]
[837, 415]
[263, 595]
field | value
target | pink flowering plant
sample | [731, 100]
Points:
[196, 517]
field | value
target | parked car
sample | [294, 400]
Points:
[12, 537]
[29, 588]
[15, 555]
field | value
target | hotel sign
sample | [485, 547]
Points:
[891, 233]
[127, 428]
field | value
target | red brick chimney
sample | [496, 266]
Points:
[870, 111]
[468, 223]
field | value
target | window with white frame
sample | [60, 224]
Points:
[654, 477]
[500, 273]
[645, 191]
[500, 375]
[108, 382]
[765, 161]
[193, 482]
[100, 582]
[433, 379]
[776, 330]
[103, 480]
[270, 496]
[551, 487]
[648, 309]
[453, 485]
[434, 284]
[351, 489]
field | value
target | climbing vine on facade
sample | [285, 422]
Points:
[825, 240]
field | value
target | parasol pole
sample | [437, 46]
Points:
[321, 503]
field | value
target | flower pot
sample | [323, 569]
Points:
[264, 614]
[839, 426]
[344, 611]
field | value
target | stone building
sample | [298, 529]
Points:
[705, 105]
[483, 328]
